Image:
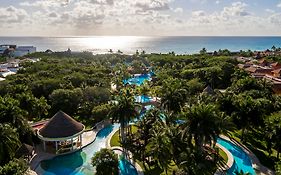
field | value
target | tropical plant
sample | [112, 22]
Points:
[9, 142]
[14, 167]
[173, 95]
[273, 131]
[160, 145]
[203, 51]
[138, 143]
[204, 123]
[10, 113]
[249, 111]
[123, 111]
[106, 162]
[66, 100]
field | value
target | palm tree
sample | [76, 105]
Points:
[9, 142]
[204, 123]
[123, 111]
[160, 145]
[196, 161]
[143, 89]
[178, 145]
[173, 95]
[203, 51]
[141, 139]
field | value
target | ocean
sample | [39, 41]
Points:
[129, 44]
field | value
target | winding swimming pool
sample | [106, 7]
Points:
[241, 159]
[79, 163]
[138, 79]
[126, 168]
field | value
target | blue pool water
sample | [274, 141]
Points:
[138, 79]
[143, 99]
[78, 163]
[126, 168]
[241, 160]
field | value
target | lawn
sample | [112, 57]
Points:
[223, 155]
[115, 141]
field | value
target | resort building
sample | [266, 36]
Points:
[275, 65]
[263, 69]
[14, 51]
[61, 134]
[24, 50]
[5, 72]
[276, 73]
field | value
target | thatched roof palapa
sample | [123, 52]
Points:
[208, 90]
[61, 125]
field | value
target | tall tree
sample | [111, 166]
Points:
[204, 123]
[123, 111]
[203, 51]
[273, 130]
[160, 145]
[173, 95]
[106, 162]
[9, 143]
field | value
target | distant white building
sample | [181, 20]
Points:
[4, 73]
[23, 50]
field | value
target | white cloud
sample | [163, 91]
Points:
[45, 4]
[232, 20]
[198, 13]
[217, 2]
[279, 5]
[275, 19]
[178, 10]
[153, 4]
[142, 17]
[269, 11]
[236, 9]
[11, 15]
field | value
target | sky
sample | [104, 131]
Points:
[140, 17]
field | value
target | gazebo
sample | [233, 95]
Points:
[62, 132]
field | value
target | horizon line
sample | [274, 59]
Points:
[89, 36]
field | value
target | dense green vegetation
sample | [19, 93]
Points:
[80, 85]
[242, 110]
[106, 162]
